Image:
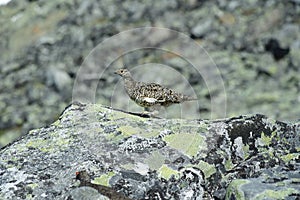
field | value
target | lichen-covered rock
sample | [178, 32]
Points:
[43, 44]
[148, 158]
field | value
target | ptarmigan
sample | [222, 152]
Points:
[150, 94]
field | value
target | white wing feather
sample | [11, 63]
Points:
[150, 100]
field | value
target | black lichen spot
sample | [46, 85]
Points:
[243, 128]
[273, 47]
[262, 72]
[156, 192]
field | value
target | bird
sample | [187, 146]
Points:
[149, 95]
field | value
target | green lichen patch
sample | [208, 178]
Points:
[234, 189]
[246, 150]
[265, 139]
[149, 134]
[29, 196]
[103, 179]
[275, 194]
[32, 185]
[128, 166]
[38, 143]
[206, 168]
[46, 145]
[288, 157]
[56, 123]
[228, 164]
[166, 172]
[189, 144]
[114, 138]
[129, 130]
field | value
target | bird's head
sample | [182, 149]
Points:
[123, 73]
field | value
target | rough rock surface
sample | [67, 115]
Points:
[247, 157]
[254, 43]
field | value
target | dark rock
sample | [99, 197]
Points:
[273, 47]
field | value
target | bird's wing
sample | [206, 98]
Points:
[155, 93]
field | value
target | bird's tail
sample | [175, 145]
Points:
[189, 98]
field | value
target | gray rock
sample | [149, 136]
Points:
[202, 28]
[36, 35]
[58, 78]
[147, 158]
[86, 193]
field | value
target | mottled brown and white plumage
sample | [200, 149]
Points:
[150, 94]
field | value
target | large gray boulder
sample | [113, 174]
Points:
[43, 44]
[131, 156]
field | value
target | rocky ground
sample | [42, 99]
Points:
[95, 152]
[255, 45]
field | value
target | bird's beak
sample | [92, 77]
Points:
[116, 72]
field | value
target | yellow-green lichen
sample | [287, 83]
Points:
[37, 143]
[48, 145]
[228, 164]
[103, 179]
[29, 196]
[189, 144]
[234, 189]
[275, 194]
[32, 132]
[246, 150]
[267, 139]
[149, 134]
[56, 123]
[114, 138]
[282, 183]
[129, 130]
[207, 168]
[32, 185]
[166, 172]
[288, 157]
[128, 166]
[273, 69]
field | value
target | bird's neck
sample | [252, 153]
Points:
[128, 80]
[129, 83]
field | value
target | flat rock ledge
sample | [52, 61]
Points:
[127, 156]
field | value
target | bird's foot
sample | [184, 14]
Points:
[153, 113]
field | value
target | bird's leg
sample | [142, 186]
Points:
[146, 111]
[151, 111]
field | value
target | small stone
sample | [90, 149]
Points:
[87, 193]
[227, 19]
[58, 78]
[201, 29]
